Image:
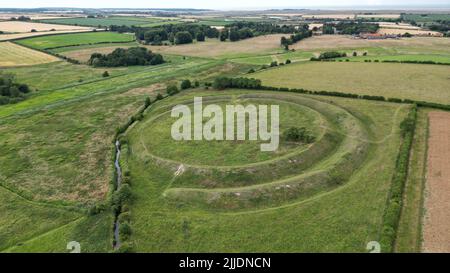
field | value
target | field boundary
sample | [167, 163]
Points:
[394, 202]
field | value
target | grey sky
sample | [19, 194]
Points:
[214, 4]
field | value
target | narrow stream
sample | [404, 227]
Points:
[118, 182]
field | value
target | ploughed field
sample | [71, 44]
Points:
[328, 195]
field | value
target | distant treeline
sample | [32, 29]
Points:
[10, 91]
[187, 33]
[350, 28]
[299, 34]
[126, 57]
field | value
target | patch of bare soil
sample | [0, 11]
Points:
[436, 229]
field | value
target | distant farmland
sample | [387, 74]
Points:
[54, 41]
[105, 22]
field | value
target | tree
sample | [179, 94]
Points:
[200, 37]
[224, 35]
[355, 54]
[234, 35]
[183, 37]
[186, 84]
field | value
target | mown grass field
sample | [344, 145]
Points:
[413, 81]
[55, 41]
[343, 217]
[16, 55]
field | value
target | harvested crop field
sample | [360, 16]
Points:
[15, 55]
[408, 81]
[23, 27]
[214, 48]
[343, 42]
[436, 230]
[401, 31]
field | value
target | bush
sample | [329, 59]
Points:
[159, 96]
[288, 61]
[273, 64]
[251, 71]
[196, 83]
[172, 90]
[125, 231]
[105, 74]
[186, 84]
[299, 135]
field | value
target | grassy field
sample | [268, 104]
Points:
[213, 48]
[54, 41]
[413, 81]
[342, 217]
[16, 55]
[108, 21]
[56, 151]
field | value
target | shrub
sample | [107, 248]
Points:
[297, 134]
[186, 84]
[273, 64]
[251, 71]
[125, 231]
[159, 96]
[172, 90]
[355, 54]
[105, 74]
[288, 61]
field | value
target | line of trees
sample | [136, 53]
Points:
[329, 55]
[126, 57]
[299, 35]
[350, 28]
[221, 83]
[10, 91]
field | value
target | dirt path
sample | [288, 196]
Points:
[436, 230]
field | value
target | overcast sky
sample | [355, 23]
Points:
[214, 4]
